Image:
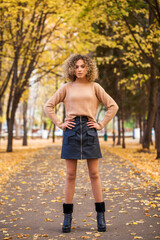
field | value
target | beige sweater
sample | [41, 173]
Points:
[81, 100]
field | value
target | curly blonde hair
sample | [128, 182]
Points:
[69, 67]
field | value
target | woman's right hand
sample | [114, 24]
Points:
[68, 124]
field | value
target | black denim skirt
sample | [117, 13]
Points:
[80, 142]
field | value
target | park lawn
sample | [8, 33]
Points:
[143, 160]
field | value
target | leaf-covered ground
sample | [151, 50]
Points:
[11, 163]
[31, 202]
[143, 159]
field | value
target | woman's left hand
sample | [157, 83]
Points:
[94, 125]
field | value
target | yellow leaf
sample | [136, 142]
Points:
[153, 205]
[23, 182]
[97, 235]
[138, 237]
[20, 236]
[90, 214]
[115, 188]
[123, 211]
[49, 220]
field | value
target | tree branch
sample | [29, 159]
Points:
[149, 58]
[155, 9]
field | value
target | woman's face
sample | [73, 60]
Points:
[80, 69]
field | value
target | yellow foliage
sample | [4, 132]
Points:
[11, 163]
[144, 161]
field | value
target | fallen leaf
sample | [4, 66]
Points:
[44, 235]
[23, 182]
[49, 220]
[135, 223]
[13, 200]
[97, 234]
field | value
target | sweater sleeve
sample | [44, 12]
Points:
[108, 101]
[52, 102]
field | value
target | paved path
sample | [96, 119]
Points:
[31, 204]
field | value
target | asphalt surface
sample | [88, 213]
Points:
[31, 203]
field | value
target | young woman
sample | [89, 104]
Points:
[81, 97]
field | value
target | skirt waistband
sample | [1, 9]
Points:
[83, 118]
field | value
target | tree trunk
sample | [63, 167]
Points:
[122, 119]
[12, 105]
[140, 128]
[123, 136]
[1, 114]
[17, 128]
[152, 93]
[44, 125]
[119, 131]
[25, 105]
[10, 124]
[158, 123]
[1, 49]
[151, 107]
[32, 120]
[11, 118]
[53, 132]
[122, 122]
[114, 137]
[50, 128]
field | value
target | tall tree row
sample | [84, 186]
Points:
[123, 36]
[32, 43]
[128, 52]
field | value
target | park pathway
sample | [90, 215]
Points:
[31, 203]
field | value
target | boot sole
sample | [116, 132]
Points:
[101, 229]
[66, 230]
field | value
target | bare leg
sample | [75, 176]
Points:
[95, 179]
[71, 165]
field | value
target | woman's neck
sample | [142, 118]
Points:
[81, 80]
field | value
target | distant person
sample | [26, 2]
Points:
[81, 97]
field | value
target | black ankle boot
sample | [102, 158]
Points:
[67, 210]
[101, 223]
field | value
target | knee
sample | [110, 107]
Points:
[71, 176]
[94, 175]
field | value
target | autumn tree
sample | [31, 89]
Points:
[135, 34]
[31, 30]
